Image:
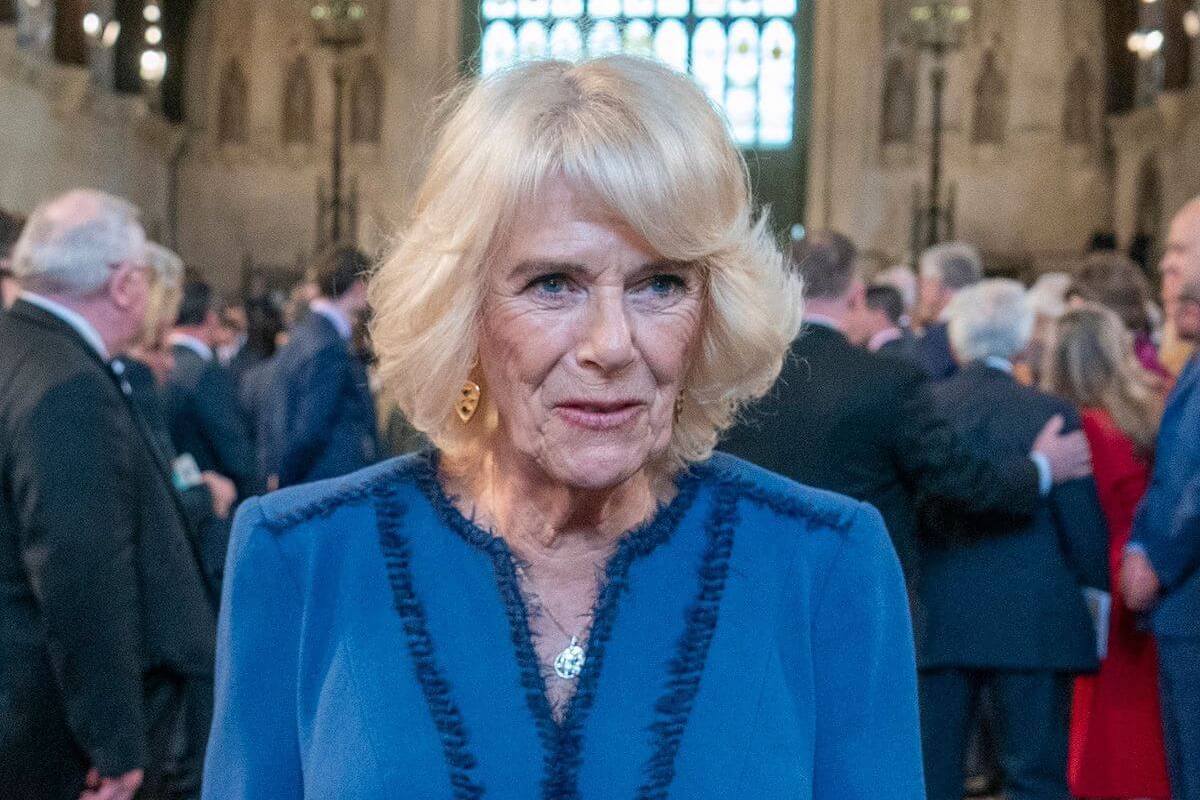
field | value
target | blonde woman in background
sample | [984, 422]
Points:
[1116, 744]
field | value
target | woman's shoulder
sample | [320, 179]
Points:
[311, 504]
[1111, 447]
[792, 506]
[827, 544]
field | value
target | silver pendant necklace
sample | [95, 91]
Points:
[568, 664]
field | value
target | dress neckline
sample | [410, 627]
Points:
[561, 741]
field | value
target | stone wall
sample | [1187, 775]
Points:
[227, 206]
[1030, 196]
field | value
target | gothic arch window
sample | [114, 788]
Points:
[991, 103]
[366, 103]
[232, 110]
[742, 52]
[298, 103]
[899, 101]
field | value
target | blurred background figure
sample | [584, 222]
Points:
[202, 409]
[850, 421]
[109, 621]
[1115, 281]
[1181, 254]
[1160, 573]
[882, 325]
[321, 410]
[10, 229]
[1047, 297]
[904, 279]
[147, 366]
[945, 270]
[1116, 743]
[1000, 600]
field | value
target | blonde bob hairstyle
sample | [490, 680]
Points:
[638, 138]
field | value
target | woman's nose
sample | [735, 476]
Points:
[607, 341]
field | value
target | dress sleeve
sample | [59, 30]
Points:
[253, 752]
[864, 666]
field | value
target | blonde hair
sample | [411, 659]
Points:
[1091, 363]
[166, 291]
[644, 141]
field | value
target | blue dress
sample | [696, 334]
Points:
[751, 641]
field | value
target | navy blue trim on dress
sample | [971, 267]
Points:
[562, 743]
[687, 666]
[447, 717]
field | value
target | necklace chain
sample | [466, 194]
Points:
[543, 606]
[568, 664]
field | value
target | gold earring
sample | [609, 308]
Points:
[468, 401]
[678, 406]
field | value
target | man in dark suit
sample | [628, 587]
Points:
[945, 270]
[843, 419]
[1001, 603]
[881, 325]
[201, 406]
[327, 423]
[1161, 570]
[106, 622]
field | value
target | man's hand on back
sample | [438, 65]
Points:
[1067, 454]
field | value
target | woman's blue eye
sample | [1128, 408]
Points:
[666, 284]
[551, 284]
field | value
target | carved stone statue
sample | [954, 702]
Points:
[298, 104]
[899, 101]
[991, 103]
[231, 113]
[366, 103]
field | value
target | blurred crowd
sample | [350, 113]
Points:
[1055, 597]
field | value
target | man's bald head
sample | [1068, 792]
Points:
[71, 244]
[1181, 259]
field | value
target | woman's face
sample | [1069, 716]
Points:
[585, 342]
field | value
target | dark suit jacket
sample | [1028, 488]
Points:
[843, 419]
[211, 533]
[997, 594]
[328, 417]
[106, 622]
[205, 420]
[262, 411]
[933, 349]
[1167, 524]
[904, 348]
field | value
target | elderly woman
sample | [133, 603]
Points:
[569, 597]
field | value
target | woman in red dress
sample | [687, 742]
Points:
[1116, 742]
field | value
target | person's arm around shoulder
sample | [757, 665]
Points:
[868, 741]
[254, 750]
[932, 457]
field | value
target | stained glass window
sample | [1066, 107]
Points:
[741, 52]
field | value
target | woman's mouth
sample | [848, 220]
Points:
[594, 415]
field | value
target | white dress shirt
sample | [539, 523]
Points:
[72, 318]
[329, 311]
